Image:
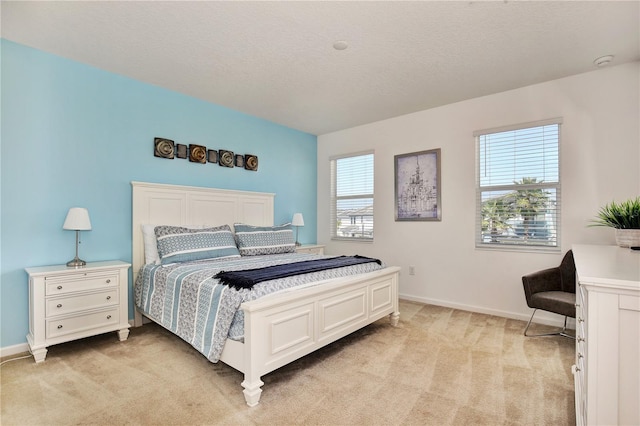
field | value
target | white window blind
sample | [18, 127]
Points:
[352, 197]
[518, 187]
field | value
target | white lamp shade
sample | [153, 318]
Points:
[77, 219]
[297, 220]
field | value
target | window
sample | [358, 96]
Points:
[352, 197]
[518, 186]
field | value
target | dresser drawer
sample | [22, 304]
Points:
[79, 282]
[66, 305]
[68, 325]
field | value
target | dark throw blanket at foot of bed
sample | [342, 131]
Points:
[250, 277]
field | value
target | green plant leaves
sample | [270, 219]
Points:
[624, 215]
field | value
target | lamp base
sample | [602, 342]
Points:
[76, 263]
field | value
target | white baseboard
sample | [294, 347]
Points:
[541, 317]
[13, 350]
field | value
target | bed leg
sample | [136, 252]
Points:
[252, 391]
[137, 318]
[394, 317]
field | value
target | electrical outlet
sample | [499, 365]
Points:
[412, 270]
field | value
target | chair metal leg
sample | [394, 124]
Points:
[561, 332]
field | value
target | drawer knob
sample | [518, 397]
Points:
[60, 326]
[59, 287]
[108, 316]
[108, 281]
[108, 297]
[59, 305]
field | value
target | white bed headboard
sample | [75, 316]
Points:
[162, 204]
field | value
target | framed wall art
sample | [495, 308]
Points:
[417, 186]
[197, 153]
[251, 162]
[225, 158]
[164, 148]
[167, 148]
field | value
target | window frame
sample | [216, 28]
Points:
[334, 198]
[553, 186]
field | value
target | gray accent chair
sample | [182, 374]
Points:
[552, 290]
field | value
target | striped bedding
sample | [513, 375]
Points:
[188, 301]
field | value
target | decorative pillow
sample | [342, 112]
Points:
[150, 245]
[178, 244]
[255, 240]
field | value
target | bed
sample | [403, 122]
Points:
[279, 327]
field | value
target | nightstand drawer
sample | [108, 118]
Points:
[67, 305]
[79, 282]
[79, 323]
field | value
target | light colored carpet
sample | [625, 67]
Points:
[440, 366]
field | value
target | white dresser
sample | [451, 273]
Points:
[607, 368]
[67, 303]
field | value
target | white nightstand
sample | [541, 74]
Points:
[71, 303]
[310, 248]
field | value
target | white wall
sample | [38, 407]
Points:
[600, 162]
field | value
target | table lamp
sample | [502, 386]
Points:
[297, 221]
[77, 220]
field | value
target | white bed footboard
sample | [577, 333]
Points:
[283, 327]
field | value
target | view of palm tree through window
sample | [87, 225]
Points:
[519, 187]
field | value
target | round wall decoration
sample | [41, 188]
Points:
[164, 148]
[197, 154]
[251, 162]
[225, 158]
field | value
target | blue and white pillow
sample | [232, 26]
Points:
[257, 240]
[178, 244]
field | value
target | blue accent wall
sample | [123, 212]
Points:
[73, 135]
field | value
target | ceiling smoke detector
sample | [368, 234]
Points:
[340, 45]
[603, 60]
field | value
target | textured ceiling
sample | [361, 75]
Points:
[276, 60]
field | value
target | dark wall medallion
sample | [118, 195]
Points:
[164, 148]
[225, 158]
[181, 151]
[197, 153]
[213, 156]
[251, 162]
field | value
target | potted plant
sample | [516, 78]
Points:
[625, 218]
